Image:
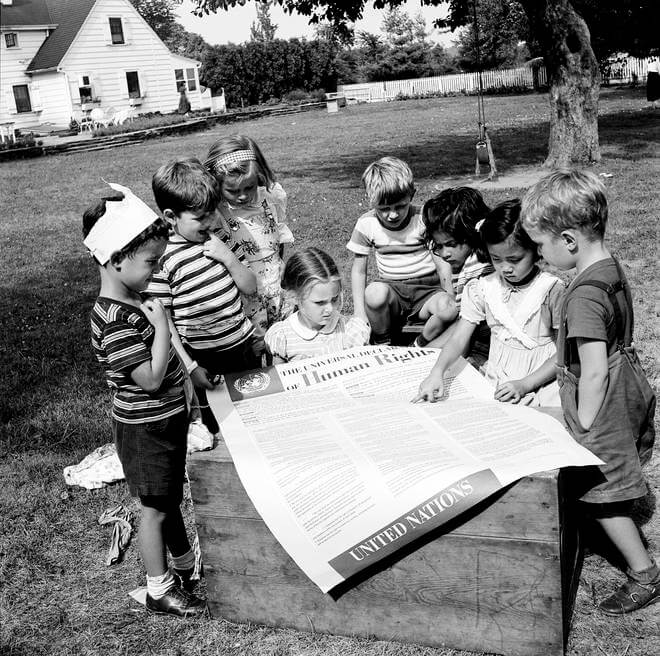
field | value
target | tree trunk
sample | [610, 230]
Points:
[574, 80]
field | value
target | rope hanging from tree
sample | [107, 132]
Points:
[484, 148]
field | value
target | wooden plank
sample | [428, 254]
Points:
[527, 510]
[481, 594]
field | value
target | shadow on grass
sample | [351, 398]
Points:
[630, 135]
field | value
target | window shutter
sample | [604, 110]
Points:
[123, 85]
[11, 103]
[143, 84]
[127, 30]
[35, 97]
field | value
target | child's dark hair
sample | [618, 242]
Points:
[456, 211]
[157, 230]
[502, 223]
[184, 185]
[306, 267]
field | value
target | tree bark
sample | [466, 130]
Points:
[574, 80]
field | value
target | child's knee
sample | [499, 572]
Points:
[376, 295]
[444, 307]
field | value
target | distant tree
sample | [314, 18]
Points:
[159, 14]
[187, 44]
[263, 29]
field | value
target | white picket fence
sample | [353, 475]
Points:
[622, 70]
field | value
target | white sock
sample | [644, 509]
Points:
[157, 586]
[186, 561]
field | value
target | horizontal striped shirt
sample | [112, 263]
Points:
[400, 254]
[122, 338]
[202, 296]
[472, 268]
[291, 340]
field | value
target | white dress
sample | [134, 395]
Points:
[522, 321]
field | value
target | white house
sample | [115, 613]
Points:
[61, 58]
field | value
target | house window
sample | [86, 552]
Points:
[85, 89]
[185, 77]
[11, 40]
[116, 30]
[22, 98]
[133, 84]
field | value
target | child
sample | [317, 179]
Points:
[521, 305]
[450, 220]
[409, 277]
[254, 206]
[607, 401]
[317, 327]
[201, 279]
[131, 340]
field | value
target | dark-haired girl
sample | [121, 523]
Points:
[521, 306]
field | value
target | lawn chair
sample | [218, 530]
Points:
[99, 118]
[120, 117]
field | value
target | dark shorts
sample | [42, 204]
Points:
[243, 356]
[410, 295]
[153, 456]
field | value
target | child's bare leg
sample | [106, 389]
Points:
[643, 585]
[174, 533]
[151, 542]
[439, 312]
[378, 300]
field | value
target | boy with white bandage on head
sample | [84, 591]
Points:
[131, 340]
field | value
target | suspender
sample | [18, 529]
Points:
[623, 337]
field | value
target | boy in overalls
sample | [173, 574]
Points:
[607, 401]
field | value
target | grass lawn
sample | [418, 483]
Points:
[56, 595]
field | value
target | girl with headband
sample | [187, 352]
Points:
[254, 207]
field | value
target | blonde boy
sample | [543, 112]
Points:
[607, 402]
[409, 276]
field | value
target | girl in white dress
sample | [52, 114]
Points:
[254, 209]
[317, 327]
[521, 305]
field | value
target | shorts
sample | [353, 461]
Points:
[411, 294]
[153, 455]
[243, 356]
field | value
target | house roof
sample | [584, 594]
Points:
[69, 16]
[23, 13]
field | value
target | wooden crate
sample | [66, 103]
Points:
[501, 578]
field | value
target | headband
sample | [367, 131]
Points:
[122, 222]
[235, 157]
[478, 225]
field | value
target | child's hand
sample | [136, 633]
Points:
[217, 250]
[511, 391]
[431, 389]
[201, 378]
[155, 312]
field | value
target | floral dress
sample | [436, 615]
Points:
[522, 320]
[260, 228]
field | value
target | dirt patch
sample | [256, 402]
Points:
[517, 177]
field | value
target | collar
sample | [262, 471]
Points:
[309, 333]
[534, 271]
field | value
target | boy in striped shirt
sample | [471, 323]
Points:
[409, 277]
[203, 274]
[131, 340]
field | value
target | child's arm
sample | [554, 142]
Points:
[149, 375]
[511, 391]
[217, 250]
[444, 272]
[199, 376]
[594, 376]
[358, 285]
[433, 386]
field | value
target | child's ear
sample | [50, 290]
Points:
[570, 240]
[170, 217]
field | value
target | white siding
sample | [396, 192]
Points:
[92, 53]
[55, 98]
[13, 62]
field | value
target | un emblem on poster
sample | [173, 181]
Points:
[252, 383]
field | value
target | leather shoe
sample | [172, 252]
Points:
[176, 602]
[631, 596]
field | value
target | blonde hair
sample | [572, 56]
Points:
[256, 164]
[387, 180]
[566, 199]
[305, 268]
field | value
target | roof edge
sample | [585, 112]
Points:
[28, 28]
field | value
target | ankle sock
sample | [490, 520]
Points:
[648, 575]
[157, 586]
[185, 561]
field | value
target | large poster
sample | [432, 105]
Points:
[345, 470]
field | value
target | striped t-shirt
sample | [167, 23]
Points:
[400, 254]
[202, 296]
[122, 338]
[472, 268]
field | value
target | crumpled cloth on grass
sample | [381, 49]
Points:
[121, 518]
[96, 470]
